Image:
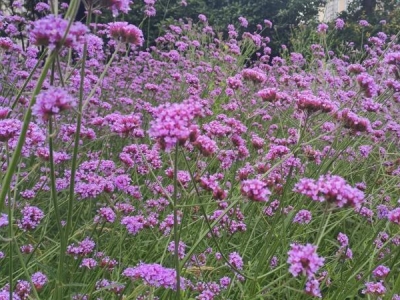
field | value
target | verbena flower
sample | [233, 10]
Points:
[39, 280]
[255, 190]
[50, 31]
[31, 218]
[302, 217]
[374, 288]
[381, 271]
[118, 5]
[154, 275]
[126, 33]
[171, 125]
[304, 260]
[333, 189]
[52, 102]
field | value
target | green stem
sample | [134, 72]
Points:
[176, 229]
[53, 179]
[17, 153]
[64, 240]
[322, 229]
[11, 235]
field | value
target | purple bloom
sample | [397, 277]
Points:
[52, 102]
[26, 249]
[374, 288]
[256, 76]
[206, 145]
[312, 288]
[22, 289]
[302, 217]
[255, 190]
[9, 128]
[172, 124]
[202, 18]
[235, 260]
[339, 24]
[134, 224]
[225, 282]
[154, 275]
[332, 189]
[181, 249]
[82, 249]
[243, 21]
[322, 28]
[39, 280]
[381, 271]
[50, 31]
[88, 263]
[3, 220]
[268, 23]
[303, 259]
[118, 5]
[126, 33]
[363, 23]
[107, 214]
[343, 239]
[394, 216]
[31, 217]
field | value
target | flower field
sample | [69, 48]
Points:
[195, 166]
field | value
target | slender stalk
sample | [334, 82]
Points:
[176, 229]
[64, 240]
[53, 179]
[10, 234]
[17, 153]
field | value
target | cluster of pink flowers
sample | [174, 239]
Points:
[126, 33]
[154, 275]
[310, 103]
[31, 217]
[171, 125]
[333, 189]
[9, 128]
[52, 102]
[118, 5]
[255, 190]
[304, 260]
[50, 31]
[83, 248]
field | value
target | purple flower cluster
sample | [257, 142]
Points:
[31, 218]
[255, 190]
[52, 102]
[302, 217]
[304, 260]
[83, 248]
[9, 128]
[118, 5]
[50, 31]
[39, 280]
[172, 124]
[333, 189]
[126, 33]
[154, 275]
[181, 249]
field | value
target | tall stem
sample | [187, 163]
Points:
[28, 115]
[176, 229]
[53, 178]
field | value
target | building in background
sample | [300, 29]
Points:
[332, 8]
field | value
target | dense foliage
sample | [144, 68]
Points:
[187, 170]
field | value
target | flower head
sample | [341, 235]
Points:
[52, 102]
[303, 259]
[50, 31]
